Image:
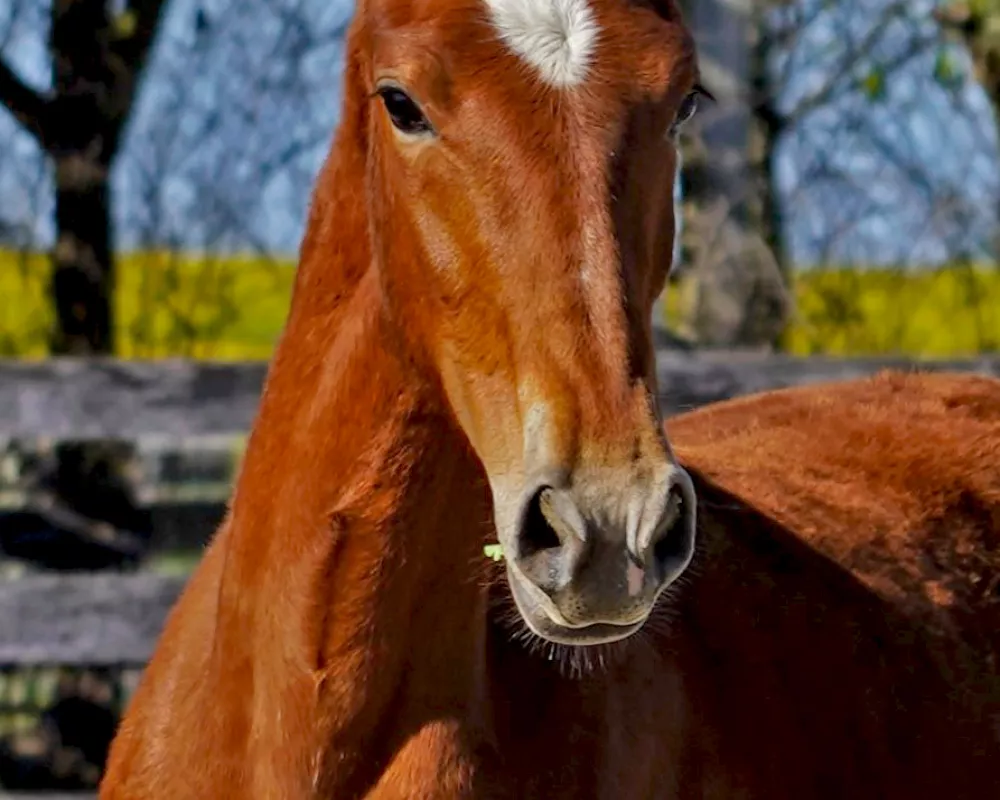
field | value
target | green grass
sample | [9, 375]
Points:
[174, 563]
[234, 307]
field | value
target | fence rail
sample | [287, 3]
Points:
[105, 398]
[83, 619]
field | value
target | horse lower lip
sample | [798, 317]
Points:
[594, 633]
[599, 631]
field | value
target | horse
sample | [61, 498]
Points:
[467, 361]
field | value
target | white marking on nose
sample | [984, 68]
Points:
[535, 419]
[536, 426]
[557, 37]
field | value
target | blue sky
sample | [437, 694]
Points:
[235, 118]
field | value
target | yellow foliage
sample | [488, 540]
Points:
[944, 312]
[25, 313]
[234, 307]
[166, 304]
[948, 312]
[218, 307]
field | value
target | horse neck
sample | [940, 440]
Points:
[353, 554]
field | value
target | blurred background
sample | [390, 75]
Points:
[840, 200]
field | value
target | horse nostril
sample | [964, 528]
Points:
[669, 539]
[672, 543]
[536, 533]
[551, 539]
[551, 520]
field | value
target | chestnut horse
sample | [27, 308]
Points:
[468, 357]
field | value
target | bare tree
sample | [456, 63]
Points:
[841, 107]
[730, 250]
[97, 60]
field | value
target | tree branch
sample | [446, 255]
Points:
[26, 105]
[133, 48]
[127, 58]
[147, 13]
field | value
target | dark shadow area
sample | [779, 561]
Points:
[81, 512]
[798, 681]
[69, 749]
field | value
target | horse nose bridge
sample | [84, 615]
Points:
[607, 450]
[583, 406]
[624, 434]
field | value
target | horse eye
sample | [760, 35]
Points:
[406, 115]
[687, 110]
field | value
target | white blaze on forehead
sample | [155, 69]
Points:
[557, 37]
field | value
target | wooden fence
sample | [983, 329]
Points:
[114, 620]
[94, 399]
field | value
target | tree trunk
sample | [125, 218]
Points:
[83, 131]
[740, 295]
[83, 271]
[97, 60]
[766, 214]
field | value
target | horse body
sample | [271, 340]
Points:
[435, 389]
[802, 660]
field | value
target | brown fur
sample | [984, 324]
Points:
[344, 636]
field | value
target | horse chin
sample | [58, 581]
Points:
[541, 623]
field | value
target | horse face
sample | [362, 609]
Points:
[521, 163]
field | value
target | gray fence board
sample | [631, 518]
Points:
[81, 619]
[98, 398]
[691, 380]
[105, 398]
[46, 796]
